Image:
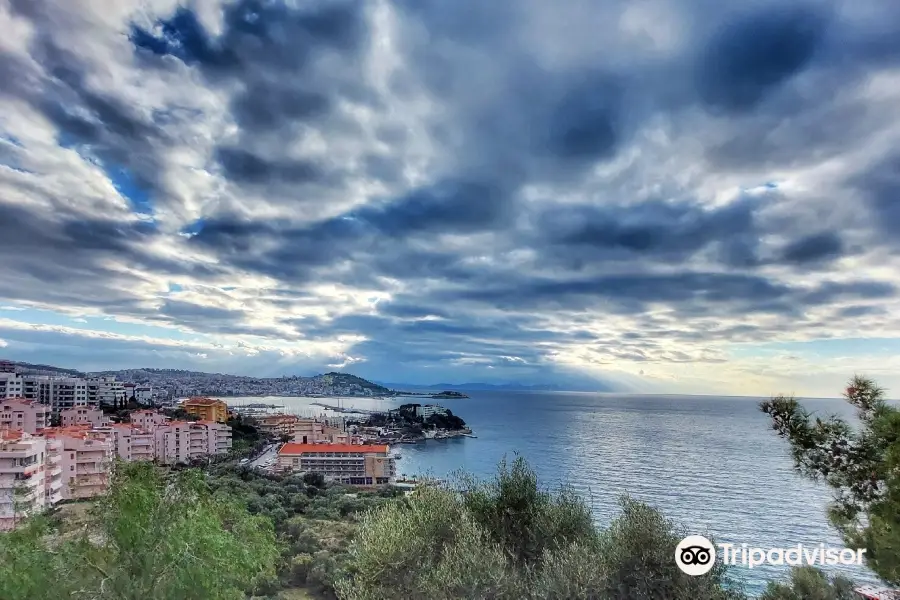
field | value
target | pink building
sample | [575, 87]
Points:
[30, 476]
[148, 419]
[312, 431]
[183, 441]
[83, 415]
[131, 442]
[87, 456]
[19, 414]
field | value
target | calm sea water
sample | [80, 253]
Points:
[711, 464]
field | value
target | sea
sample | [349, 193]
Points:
[711, 464]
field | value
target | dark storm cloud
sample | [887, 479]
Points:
[663, 231]
[245, 167]
[880, 186]
[694, 294]
[852, 312]
[65, 259]
[750, 57]
[814, 248]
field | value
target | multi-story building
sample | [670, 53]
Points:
[83, 415]
[106, 391]
[59, 393]
[427, 410]
[309, 431]
[30, 476]
[208, 409]
[353, 464]
[87, 456]
[315, 431]
[131, 442]
[19, 414]
[7, 367]
[143, 394]
[148, 419]
[184, 441]
[11, 385]
[277, 424]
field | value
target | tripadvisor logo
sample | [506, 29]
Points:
[696, 555]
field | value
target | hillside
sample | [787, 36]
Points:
[186, 382]
[24, 368]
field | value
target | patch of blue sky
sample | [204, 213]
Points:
[107, 324]
[174, 287]
[194, 228]
[824, 348]
[125, 183]
[9, 153]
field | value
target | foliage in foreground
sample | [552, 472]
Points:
[807, 583]
[862, 466]
[220, 534]
[151, 538]
[509, 539]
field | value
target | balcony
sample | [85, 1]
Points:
[89, 480]
[54, 459]
[89, 469]
[90, 457]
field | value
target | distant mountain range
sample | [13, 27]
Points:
[506, 387]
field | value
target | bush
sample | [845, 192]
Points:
[509, 539]
[807, 583]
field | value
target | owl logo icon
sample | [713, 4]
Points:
[695, 555]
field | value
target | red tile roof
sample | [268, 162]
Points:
[300, 448]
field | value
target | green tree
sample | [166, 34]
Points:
[862, 464]
[808, 583]
[510, 539]
[152, 537]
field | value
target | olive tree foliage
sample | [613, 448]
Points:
[511, 539]
[151, 538]
[808, 583]
[862, 466]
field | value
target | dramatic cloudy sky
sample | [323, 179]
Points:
[660, 195]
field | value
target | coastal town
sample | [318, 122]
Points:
[60, 437]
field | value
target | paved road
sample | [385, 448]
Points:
[269, 454]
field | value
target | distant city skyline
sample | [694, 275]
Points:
[660, 197]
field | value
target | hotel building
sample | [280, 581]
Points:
[353, 464]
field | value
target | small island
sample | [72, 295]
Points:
[447, 394]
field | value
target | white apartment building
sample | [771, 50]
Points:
[30, 476]
[18, 414]
[11, 385]
[105, 391]
[59, 393]
[427, 410]
[143, 394]
[183, 441]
